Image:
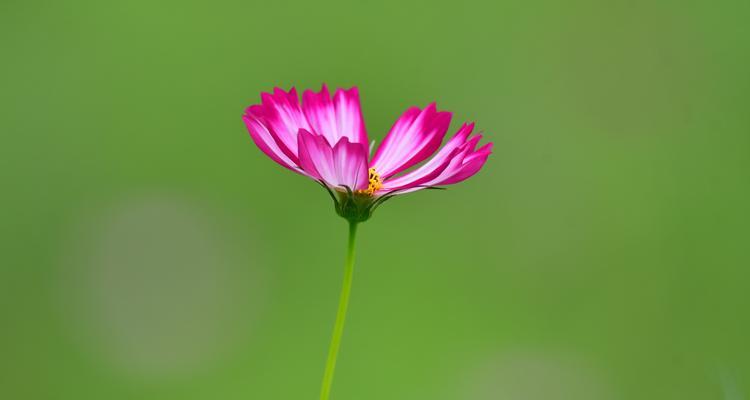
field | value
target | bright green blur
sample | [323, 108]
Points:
[148, 249]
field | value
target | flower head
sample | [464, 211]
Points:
[325, 139]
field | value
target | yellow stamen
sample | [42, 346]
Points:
[375, 182]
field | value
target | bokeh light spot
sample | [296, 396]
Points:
[537, 375]
[157, 286]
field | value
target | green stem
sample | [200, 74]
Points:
[338, 327]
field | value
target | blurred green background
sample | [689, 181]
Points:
[151, 251]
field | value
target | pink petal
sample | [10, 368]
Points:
[462, 163]
[265, 141]
[335, 119]
[449, 167]
[284, 118]
[432, 168]
[470, 166]
[343, 165]
[351, 164]
[413, 138]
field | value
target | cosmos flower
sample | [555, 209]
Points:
[325, 139]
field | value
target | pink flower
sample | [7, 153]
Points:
[325, 139]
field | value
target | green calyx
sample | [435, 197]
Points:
[354, 206]
[358, 206]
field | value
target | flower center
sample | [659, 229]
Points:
[375, 182]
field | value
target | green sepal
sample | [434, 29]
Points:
[358, 207]
[353, 206]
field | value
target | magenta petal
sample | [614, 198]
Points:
[284, 118]
[470, 166]
[315, 155]
[265, 141]
[414, 137]
[335, 119]
[450, 166]
[343, 165]
[435, 166]
[460, 164]
[351, 164]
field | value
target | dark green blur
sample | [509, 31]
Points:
[148, 249]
